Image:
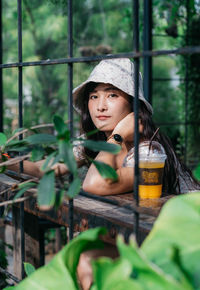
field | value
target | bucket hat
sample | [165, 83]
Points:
[117, 72]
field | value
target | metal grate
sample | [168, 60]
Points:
[146, 54]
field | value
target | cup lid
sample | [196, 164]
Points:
[154, 151]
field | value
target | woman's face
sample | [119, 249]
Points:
[107, 106]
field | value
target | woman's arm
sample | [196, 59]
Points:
[94, 183]
[34, 168]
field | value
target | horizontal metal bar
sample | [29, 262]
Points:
[169, 79]
[9, 275]
[178, 123]
[133, 207]
[165, 35]
[178, 51]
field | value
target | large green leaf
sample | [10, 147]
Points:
[46, 189]
[66, 153]
[74, 188]
[101, 146]
[40, 139]
[60, 273]
[178, 226]
[106, 171]
[149, 275]
[3, 139]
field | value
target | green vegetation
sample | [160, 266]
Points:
[168, 258]
[54, 149]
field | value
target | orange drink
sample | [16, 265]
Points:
[151, 167]
[150, 180]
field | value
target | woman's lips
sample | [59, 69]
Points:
[102, 117]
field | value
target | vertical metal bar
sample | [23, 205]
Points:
[136, 112]
[20, 106]
[1, 70]
[70, 106]
[186, 79]
[147, 44]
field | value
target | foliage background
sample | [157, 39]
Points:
[101, 27]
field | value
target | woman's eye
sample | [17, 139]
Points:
[92, 97]
[113, 96]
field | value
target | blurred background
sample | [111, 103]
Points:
[104, 27]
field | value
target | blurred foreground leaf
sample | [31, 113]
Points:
[23, 188]
[46, 189]
[37, 154]
[39, 139]
[3, 139]
[66, 153]
[106, 171]
[74, 187]
[101, 146]
[61, 128]
[60, 273]
[177, 228]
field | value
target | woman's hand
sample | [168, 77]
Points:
[126, 126]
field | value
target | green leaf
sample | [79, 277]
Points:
[66, 153]
[106, 171]
[101, 146]
[92, 132]
[29, 269]
[109, 274]
[37, 154]
[59, 198]
[46, 189]
[3, 139]
[39, 139]
[177, 227]
[61, 128]
[48, 162]
[74, 187]
[16, 143]
[60, 273]
[196, 172]
[144, 272]
[23, 188]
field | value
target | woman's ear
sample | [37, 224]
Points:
[141, 127]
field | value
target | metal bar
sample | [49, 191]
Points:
[70, 106]
[186, 83]
[20, 107]
[147, 45]
[178, 51]
[1, 71]
[136, 112]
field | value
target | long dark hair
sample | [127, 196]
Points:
[173, 166]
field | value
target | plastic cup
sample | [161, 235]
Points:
[151, 168]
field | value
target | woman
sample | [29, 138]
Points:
[105, 102]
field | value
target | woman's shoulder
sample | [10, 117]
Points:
[78, 148]
[129, 159]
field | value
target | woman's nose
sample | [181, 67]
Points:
[101, 106]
